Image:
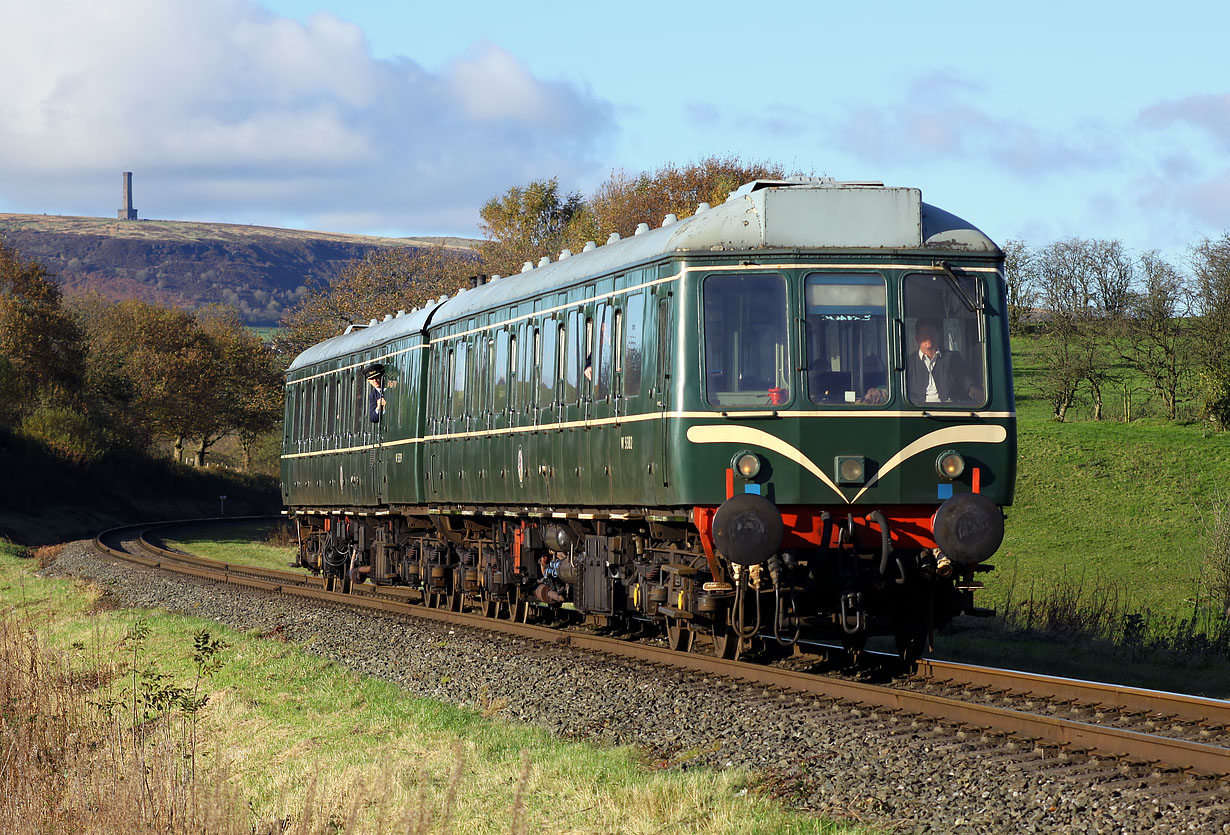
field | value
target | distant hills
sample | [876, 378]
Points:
[260, 271]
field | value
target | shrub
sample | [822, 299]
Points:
[67, 433]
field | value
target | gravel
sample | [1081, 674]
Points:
[830, 758]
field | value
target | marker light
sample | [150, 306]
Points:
[746, 464]
[950, 464]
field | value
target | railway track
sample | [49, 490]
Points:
[1068, 727]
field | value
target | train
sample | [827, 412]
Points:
[785, 418]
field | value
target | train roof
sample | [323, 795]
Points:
[365, 337]
[795, 213]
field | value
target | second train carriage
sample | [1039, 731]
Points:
[788, 415]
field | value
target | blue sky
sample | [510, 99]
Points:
[1038, 121]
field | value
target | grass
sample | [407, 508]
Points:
[290, 742]
[243, 543]
[1110, 566]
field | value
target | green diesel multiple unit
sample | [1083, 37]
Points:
[790, 415]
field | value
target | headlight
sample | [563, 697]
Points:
[851, 469]
[746, 464]
[950, 464]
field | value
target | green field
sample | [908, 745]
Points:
[1109, 503]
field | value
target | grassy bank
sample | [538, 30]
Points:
[289, 742]
[1110, 502]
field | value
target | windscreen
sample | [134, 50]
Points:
[943, 341]
[847, 339]
[746, 340]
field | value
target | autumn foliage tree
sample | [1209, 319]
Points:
[383, 282]
[529, 222]
[156, 372]
[625, 200]
[40, 344]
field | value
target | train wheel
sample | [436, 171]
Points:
[491, 606]
[678, 636]
[912, 642]
[854, 646]
[726, 644]
[520, 610]
[507, 609]
[452, 601]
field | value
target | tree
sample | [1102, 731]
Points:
[162, 366]
[537, 220]
[1211, 265]
[383, 282]
[1065, 299]
[1021, 282]
[625, 200]
[250, 381]
[1156, 343]
[1084, 287]
[41, 348]
[530, 222]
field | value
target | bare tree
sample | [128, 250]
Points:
[1113, 276]
[1065, 293]
[1156, 342]
[1084, 287]
[1021, 280]
[1211, 265]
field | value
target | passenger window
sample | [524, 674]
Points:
[746, 340]
[602, 353]
[945, 361]
[457, 359]
[847, 339]
[632, 345]
[572, 356]
[499, 372]
[664, 328]
[547, 362]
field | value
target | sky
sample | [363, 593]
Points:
[1039, 121]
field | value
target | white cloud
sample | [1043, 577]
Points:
[944, 116]
[1209, 114]
[1190, 137]
[295, 119]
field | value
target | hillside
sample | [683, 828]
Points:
[260, 271]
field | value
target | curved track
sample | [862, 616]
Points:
[1057, 716]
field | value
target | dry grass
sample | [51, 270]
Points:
[73, 761]
[1217, 552]
[46, 554]
[68, 765]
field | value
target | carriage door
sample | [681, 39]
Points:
[662, 388]
[376, 417]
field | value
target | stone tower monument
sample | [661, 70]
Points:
[128, 212]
